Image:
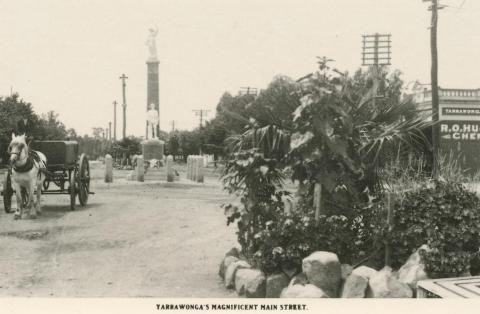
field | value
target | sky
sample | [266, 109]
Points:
[67, 55]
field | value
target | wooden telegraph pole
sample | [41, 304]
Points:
[201, 113]
[434, 7]
[376, 52]
[114, 120]
[124, 105]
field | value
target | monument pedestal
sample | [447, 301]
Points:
[153, 154]
[153, 149]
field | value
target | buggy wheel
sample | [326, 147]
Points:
[83, 180]
[7, 193]
[72, 189]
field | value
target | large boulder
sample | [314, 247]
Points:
[299, 279]
[275, 284]
[303, 291]
[413, 270]
[256, 287]
[233, 252]
[324, 271]
[290, 270]
[355, 286]
[232, 270]
[385, 285]
[224, 264]
[250, 282]
[365, 271]
[346, 271]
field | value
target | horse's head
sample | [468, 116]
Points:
[18, 149]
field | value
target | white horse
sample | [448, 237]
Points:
[26, 175]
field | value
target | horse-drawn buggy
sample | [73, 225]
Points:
[64, 169]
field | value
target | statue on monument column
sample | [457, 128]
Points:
[152, 122]
[151, 43]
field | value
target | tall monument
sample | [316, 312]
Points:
[153, 90]
[152, 147]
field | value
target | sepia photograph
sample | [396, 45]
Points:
[296, 150]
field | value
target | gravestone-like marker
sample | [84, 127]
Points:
[199, 170]
[188, 167]
[194, 168]
[195, 164]
[170, 174]
[140, 169]
[191, 168]
[108, 169]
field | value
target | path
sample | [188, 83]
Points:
[132, 240]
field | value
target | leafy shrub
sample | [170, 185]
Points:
[341, 139]
[255, 179]
[446, 217]
[290, 237]
[293, 236]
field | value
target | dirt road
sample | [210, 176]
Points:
[132, 240]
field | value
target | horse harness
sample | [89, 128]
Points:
[31, 159]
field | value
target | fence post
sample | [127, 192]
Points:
[317, 200]
[170, 174]
[108, 169]
[140, 169]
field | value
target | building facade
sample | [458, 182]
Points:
[459, 123]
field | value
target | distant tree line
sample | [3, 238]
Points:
[44, 126]
[276, 103]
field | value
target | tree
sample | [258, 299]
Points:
[72, 134]
[336, 137]
[98, 132]
[132, 144]
[189, 143]
[274, 106]
[12, 109]
[214, 134]
[173, 144]
[276, 103]
[336, 142]
[44, 127]
[50, 127]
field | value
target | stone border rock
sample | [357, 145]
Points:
[321, 276]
